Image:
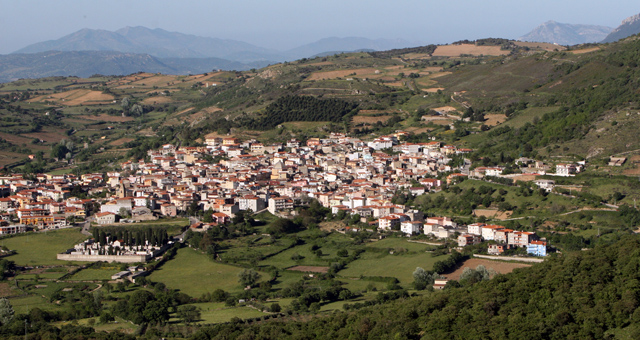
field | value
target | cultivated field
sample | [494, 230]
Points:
[494, 119]
[157, 100]
[107, 118]
[544, 46]
[585, 50]
[341, 74]
[493, 214]
[636, 170]
[77, 97]
[121, 141]
[499, 267]
[309, 269]
[358, 119]
[458, 50]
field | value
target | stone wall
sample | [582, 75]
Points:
[107, 258]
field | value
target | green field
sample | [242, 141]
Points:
[226, 314]
[91, 274]
[25, 304]
[383, 264]
[35, 249]
[195, 274]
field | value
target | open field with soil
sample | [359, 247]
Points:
[494, 119]
[493, 214]
[544, 46]
[107, 118]
[77, 97]
[369, 119]
[499, 267]
[458, 50]
[341, 74]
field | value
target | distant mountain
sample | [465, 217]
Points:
[629, 27]
[156, 42]
[566, 34]
[87, 63]
[338, 45]
[163, 44]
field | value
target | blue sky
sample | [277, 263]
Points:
[284, 24]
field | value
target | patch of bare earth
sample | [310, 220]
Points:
[77, 97]
[433, 89]
[369, 119]
[107, 118]
[498, 267]
[331, 226]
[309, 269]
[493, 214]
[494, 119]
[157, 100]
[544, 46]
[50, 136]
[470, 49]
[341, 74]
[121, 141]
[630, 172]
[585, 50]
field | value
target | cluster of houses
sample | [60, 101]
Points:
[504, 239]
[343, 173]
[44, 201]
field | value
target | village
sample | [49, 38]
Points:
[342, 173]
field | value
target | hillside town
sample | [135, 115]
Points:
[343, 173]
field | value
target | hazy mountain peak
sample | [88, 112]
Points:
[566, 34]
[628, 27]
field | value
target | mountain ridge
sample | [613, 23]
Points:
[164, 44]
[628, 27]
[566, 34]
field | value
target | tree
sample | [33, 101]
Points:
[6, 311]
[275, 308]
[248, 277]
[423, 278]
[189, 313]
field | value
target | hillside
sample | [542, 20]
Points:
[628, 27]
[588, 295]
[515, 98]
[566, 34]
[87, 63]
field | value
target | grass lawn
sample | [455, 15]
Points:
[225, 315]
[383, 264]
[36, 249]
[24, 304]
[217, 312]
[118, 325]
[398, 243]
[195, 274]
[53, 276]
[91, 274]
[283, 260]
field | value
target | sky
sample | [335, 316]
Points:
[285, 24]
